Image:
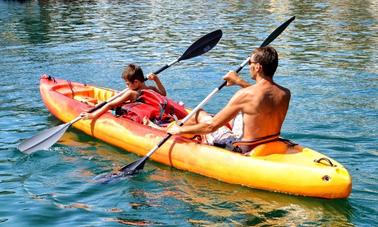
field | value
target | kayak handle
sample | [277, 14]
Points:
[324, 159]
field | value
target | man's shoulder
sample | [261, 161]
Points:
[247, 90]
[284, 89]
[247, 94]
[254, 89]
[283, 92]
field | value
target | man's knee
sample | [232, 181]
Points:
[199, 116]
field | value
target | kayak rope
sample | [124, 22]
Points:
[324, 159]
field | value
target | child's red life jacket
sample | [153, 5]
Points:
[153, 106]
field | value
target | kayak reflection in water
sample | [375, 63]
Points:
[256, 112]
[134, 78]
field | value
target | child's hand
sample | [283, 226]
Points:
[152, 76]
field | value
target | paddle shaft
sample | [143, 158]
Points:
[164, 67]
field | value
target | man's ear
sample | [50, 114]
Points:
[259, 67]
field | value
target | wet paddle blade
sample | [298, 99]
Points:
[124, 172]
[44, 140]
[276, 32]
[112, 177]
[137, 166]
[134, 167]
[202, 45]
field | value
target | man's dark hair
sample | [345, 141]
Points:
[133, 72]
[268, 58]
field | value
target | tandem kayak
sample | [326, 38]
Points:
[277, 166]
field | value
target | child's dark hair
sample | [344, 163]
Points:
[133, 72]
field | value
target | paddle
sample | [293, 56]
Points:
[48, 137]
[139, 164]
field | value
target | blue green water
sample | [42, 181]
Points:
[328, 59]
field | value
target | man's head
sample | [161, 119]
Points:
[133, 76]
[264, 59]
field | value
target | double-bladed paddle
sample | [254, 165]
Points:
[48, 137]
[139, 164]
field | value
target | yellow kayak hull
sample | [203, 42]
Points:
[275, 166]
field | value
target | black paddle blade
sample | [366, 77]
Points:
[202, 45]
[43, 140]
[125, 172]
[134, 167]
[276, 32]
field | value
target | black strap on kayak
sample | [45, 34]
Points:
[245, 146]
[288, 142]
[257, 140]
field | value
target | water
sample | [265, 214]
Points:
[328, 60]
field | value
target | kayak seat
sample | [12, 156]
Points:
[278, 146]
[275, 147]
[103, 94]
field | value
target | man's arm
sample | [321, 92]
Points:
[233, 78]
[211, 125]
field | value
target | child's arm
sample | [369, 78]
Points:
[160, 87]
[129, 95]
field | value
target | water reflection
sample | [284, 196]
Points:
[244, 206]
[177, 192]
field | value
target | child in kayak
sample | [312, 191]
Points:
[261, 108]
[134, 79]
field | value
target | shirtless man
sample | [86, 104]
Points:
[134, 79]
[263, 106]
